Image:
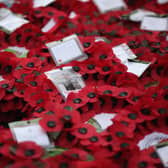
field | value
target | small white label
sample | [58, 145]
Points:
[162, 1]
[167, 38]
[20, 52]
[139, 14]
[66, 50]
[41, 3]
[84, 0]
[1, 78]
[66, 80]
[31, 133]
[154, 23]
[151, 140]
[128, 58]
[51, 23]
[104, 119]
[109, 5]
[123, 52]
[72, 15]
[10, 21]
[97, 39]
[137, 68]
[8, 3]
[163, 153]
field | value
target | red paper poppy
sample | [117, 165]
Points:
[94, 140]
[51, 123]
[76, 154]
[31, 63]
[83, 131]
[28, 150]
[75, 100]
[67, 140]
[30, 163]
[70, 118]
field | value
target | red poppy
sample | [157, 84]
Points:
[27, 150]
[20, 88]
[94, 140]
[48, 86]
[119, 130]
[127, 79]
[60, 161]
[8, 62]
[145, 109]
[70, 118]
[67, 140]
[32, 39]
[151, 155]
[83, 131]
[89, 93]
[128, 116]
[30, 163]
[20, 73]
[31, 80]
[106, 90]
[3, 43]
[51, 123]
[58, 16]
[86, 66]
[31, 63]
[87, 42]
[76, 154]
[88, 111]
[2, 91]
[105, 67]
[37, 98]
[75, 100]
[161, 107]
[138, 160]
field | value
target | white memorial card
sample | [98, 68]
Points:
[151, 140]
[139, 14]
[66, 50]
[128, 58]
[167, 38]
[162, 2]
[66, 80]
[41, 3]
[151, 23]
[123, 52]
[20, 52]
[8, 3]
[1, 78]
[104, 119]
[10, 21]
[162, 151]
[137, 68]
[29, 131]
[51, 24]
[109, 5]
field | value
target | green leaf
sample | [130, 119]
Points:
[53, 152]
[69, 108]
[95, 124]
[54, 135]
[150, 84]
[90, 157]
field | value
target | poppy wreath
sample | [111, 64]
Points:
[140, 104]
